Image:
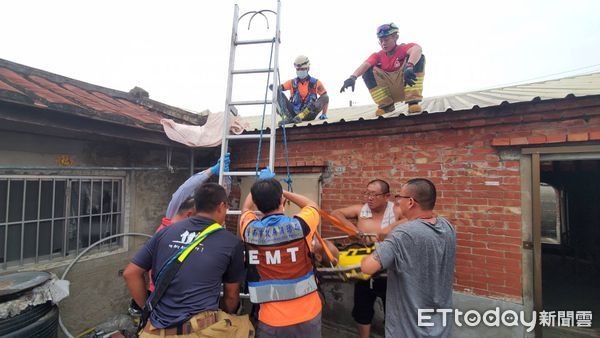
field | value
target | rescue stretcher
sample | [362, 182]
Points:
[351, 253]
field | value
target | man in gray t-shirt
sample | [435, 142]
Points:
[419, 256]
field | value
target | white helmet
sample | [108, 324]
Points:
[301, 61]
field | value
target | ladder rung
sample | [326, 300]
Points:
[234, 212]
[247, 136]
[249, 103]
[252, 71]
[253, 42]
[239, 173]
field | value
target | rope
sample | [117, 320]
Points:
[262, 123]
[287, 180]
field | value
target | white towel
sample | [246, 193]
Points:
[208, 135]
[388, 215]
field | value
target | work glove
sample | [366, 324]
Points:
[349, 82]
[409, 76]
[266, 174]
[323, 117]
[215, 168]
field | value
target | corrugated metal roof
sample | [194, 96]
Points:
[582, 85]
[34, 87]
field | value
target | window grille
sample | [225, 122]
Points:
[51, 217]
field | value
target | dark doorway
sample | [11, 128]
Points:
[570, 205]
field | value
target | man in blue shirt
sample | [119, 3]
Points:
[190, 304]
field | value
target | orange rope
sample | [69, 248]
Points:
[337, 223]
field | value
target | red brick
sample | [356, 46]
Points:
[501, 141]
[471, 244]
[506, 290]
[513, 255]
[594, 135]
[515, 141]
[578, 137]
[487, 252]
[556, 138]
[538, 139]
[504, 247]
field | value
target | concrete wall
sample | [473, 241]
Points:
[97, 288]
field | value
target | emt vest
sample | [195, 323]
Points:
[300, 104]
[278, 257]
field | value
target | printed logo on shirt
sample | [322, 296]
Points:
[272, 256]
[273, 234]
[186, 238]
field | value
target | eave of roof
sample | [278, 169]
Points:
[575, 86]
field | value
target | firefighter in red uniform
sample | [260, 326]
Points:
[394, 74]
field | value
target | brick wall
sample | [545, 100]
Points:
[478, 191]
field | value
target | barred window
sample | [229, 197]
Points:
[51, 217]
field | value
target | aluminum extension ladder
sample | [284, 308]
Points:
[230, 106]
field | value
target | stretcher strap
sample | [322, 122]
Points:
[326, 248]
[338, 224]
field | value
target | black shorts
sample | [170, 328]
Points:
[364, 299]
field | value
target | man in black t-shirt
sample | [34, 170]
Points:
[190, 304]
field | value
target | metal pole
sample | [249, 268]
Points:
[191, 162]
[23, 220]
[537, 234]
[52, 222]
[91, 212]
[78, 215]
[6, 225]
[37, 225]
[226, 113]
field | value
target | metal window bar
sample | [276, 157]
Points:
[113, 213]
[52, 221]
[8, 182]
[91, 205]
[37, 225]
[112, 189]
[101, 212]
[59, 218]
[78, 216]
[121, 205]
[23, 220]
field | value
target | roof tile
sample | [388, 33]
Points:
[20, 81]
[26, 85]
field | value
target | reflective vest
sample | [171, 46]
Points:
[300, 104]
[279, 261]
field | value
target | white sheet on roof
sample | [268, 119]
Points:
[208, 135]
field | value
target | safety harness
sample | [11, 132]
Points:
[300, 104]
[169, 270]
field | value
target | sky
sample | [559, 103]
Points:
[179, 50]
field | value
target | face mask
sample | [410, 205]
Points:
[302, 74]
